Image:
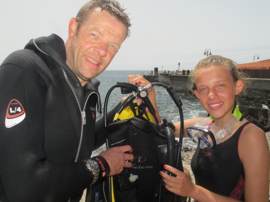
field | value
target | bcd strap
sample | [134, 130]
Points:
[131, 111]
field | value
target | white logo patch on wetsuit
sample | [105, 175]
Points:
[15, 113]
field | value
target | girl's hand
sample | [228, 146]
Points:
[179, 182]
[139, 80]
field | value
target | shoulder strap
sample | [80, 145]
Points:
[242, 126]
[239, 130]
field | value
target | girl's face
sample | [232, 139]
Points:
[216, 90]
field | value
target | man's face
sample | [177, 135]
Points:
[92, 45]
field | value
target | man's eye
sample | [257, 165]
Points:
[114, 47]
[94, 35]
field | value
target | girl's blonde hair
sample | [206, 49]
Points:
[218, 61]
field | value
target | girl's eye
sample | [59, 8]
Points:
[203, 90]
[220, 87]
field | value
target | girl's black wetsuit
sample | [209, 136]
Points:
[220, 169]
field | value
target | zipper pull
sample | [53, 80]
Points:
[83, 117]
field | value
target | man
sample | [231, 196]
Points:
[48, 106]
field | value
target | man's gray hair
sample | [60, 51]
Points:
[111, 6]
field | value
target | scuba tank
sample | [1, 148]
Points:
[153, 146]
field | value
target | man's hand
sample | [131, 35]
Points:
[118, 158]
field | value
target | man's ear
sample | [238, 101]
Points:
[239, 86]
[72, 27]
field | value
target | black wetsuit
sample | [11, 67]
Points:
[220, 169]
[46, 125]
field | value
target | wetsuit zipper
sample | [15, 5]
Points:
[83, 115]
[82, 111]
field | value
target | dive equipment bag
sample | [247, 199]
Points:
[153, 146]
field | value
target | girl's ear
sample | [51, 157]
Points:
[195, 92]
[239, 86]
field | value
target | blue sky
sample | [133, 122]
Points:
[163, 33]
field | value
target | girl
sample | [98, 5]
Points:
[237, 168]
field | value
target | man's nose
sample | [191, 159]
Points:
[102, 49]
